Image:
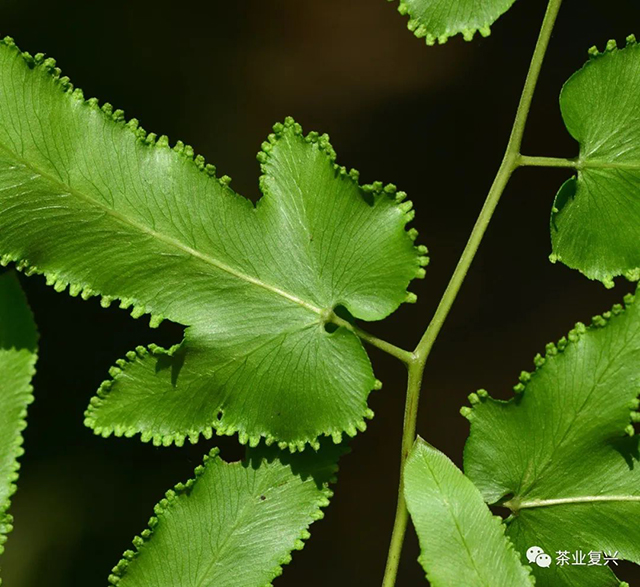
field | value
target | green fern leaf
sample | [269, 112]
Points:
[102, 207]
[461, 542]
[436, 20]
[17, 365]
[235, 524]
[595, 219]
[563, 455]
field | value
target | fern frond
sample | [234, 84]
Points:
[101, 207]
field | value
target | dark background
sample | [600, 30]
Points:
[434, 121]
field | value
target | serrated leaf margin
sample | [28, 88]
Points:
[552, 351]
[420, 31]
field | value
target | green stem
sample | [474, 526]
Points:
[511, 161]
[526, 161]
[416, 369]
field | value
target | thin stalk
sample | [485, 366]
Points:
[526, 161]
[387, 347]
[383, 345]
[511, 161]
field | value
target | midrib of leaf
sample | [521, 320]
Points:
[236, 525]
[581, 164]
[538, 503]
[457, 525]
[162, 237]
[600, 164]
[227, 539]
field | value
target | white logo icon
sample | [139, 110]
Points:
[537, 556]
[543, 560]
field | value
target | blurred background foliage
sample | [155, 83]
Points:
[434, 121]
